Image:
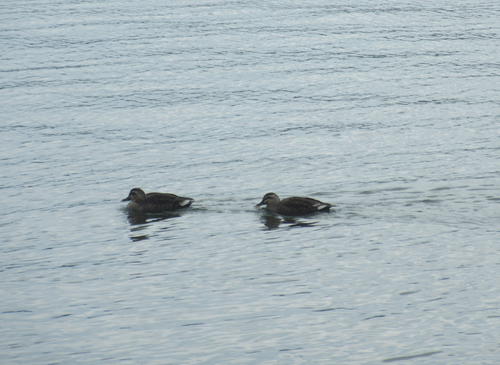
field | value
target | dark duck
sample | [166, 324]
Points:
[294, 205]
[155, 202]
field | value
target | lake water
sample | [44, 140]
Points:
[388, 109]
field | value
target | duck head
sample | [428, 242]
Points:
[269, 199]
[135, 194]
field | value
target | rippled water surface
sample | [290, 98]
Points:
[387, 109]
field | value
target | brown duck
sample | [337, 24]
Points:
[155, 202]
[294, 205]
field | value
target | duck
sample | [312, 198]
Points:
[294, 205]
[155, 202]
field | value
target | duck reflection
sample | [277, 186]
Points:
[140, 222]
[273, 221]
[141, 218]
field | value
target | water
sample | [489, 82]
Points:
[389, 110]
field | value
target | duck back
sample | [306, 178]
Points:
[299, 205]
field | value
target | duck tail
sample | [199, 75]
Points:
[185, 202]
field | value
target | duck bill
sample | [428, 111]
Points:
[259, 205]
[126, 199]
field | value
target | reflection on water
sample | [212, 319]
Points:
[142, 218]
[140, 222]
[139, 238]
[273, 221]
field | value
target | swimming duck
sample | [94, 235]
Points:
[294, 205]
[155, 202]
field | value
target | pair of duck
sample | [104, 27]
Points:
[161, 202]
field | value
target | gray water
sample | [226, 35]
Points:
[387, 109]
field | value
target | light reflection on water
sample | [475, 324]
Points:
[273, 221]
[389, 113]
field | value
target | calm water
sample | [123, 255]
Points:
[389, 110]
